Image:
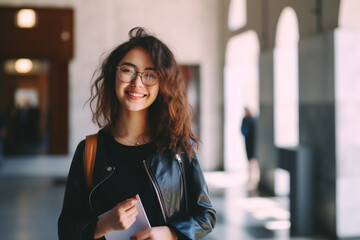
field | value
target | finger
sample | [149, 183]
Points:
[128, 215]
[123, 212]
[133, 212]
[124, 217]
[127, 200]
[125, 221]
[126, 204]
[129, 223]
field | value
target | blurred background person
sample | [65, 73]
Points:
[26, 126]
[248, 130]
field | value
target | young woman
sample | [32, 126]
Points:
[145, 146]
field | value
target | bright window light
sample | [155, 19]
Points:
[23, 65]
[271, 212]
[237, 14]
[286, 99]
[277, 225]
[26, 18]
[241, 86]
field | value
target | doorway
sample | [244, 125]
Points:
[35, 102]
[25, 104]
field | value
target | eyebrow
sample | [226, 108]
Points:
[133, 65]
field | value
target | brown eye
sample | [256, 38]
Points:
[150, 76]
[127, 70]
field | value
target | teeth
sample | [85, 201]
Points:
[136, 94]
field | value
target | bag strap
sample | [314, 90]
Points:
[89, 160]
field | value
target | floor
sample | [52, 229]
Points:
[32, 193]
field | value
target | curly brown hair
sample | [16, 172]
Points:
[170, 113]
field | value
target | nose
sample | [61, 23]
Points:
[137, 81]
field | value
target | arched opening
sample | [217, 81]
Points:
[237, 14]
[286, 91]
[286, 111]
[240, 90]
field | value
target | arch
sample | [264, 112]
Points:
[241, 82]
[286, 113]
[237, 14]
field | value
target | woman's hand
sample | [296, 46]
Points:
[121, 217]
[155, 233]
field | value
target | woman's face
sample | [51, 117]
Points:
[134, 95]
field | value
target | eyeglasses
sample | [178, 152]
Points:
[128, 74]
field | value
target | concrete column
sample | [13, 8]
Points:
[265, 129]
[317, 122]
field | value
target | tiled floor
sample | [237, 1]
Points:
[29, 208]
[246, 214]
[31, 200]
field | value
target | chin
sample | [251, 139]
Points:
[136, 108]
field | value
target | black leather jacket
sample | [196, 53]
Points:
[178, 181]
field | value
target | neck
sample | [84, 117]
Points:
[132, 127]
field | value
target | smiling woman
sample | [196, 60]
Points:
[135, 90]
[146, 147]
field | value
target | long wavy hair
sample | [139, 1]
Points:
[169, 115]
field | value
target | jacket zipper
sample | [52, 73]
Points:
[156, 190]
[180, 163]
[97, 186]
[183, 178]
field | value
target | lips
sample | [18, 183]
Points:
[135, 95]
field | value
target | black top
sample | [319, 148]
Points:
[130, 178]
[248, 130]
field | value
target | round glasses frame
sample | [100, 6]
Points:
[132, 74]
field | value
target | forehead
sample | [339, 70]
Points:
[138, 57]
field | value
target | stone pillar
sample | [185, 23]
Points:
[317, 122]
[265, 129]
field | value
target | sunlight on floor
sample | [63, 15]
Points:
[225, 179]
[242, 212]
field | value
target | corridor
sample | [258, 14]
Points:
[32, 193]
[294, 64]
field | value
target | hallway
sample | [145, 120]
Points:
[295, 64]
[31, 198]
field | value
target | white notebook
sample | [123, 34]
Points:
[141, 223]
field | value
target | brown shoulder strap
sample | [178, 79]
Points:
[90, 155]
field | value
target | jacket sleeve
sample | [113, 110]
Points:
[76, 220]
[202, 216]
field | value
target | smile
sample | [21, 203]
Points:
[134, 94]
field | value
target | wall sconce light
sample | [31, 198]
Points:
[26, 18]
[23, 65]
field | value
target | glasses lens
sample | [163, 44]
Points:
[149, 78]
[126, 73]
